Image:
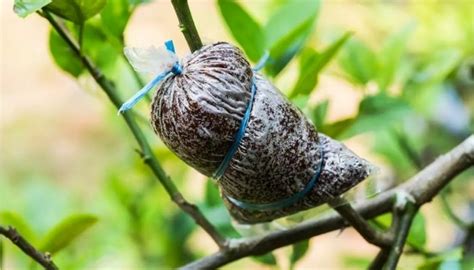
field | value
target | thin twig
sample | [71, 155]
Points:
[366, 230]
[382, 257]
[147, 154]
[43, 259]
[422, 187]
[186, 24]
[401, 235]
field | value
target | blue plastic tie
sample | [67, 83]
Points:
[176, 69]
[284, 202]
[243, 124]
[238, 137]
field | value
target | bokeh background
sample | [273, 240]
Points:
[66, 155]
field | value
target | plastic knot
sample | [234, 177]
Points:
[176, 69]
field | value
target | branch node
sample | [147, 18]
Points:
[402, 199]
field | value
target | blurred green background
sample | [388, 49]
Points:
[393, 79]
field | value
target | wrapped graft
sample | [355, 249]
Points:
[278, 163]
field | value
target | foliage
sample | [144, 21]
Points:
[409, 86]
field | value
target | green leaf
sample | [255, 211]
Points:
[312, 63]
[288, 17]
[24, 8]
[437, 68]
[298, 251]
[359, 62]
[391, 55]
[211, 197]
[356, 262]
[63, 55]
[318, 113]
[115, 16]
[336, 129]
[377, 112]
[102, 50]
[282, 52]
[287, 30]
[300, 102]
[267, 259]
[1, 253]
[137, 2]
[77, 11]
[243, 28]
[451, 259]
[417, 234]
[467, 263]
[19, 223]
[64, 233]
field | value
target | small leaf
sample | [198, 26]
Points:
[287, 30]
[378, 112]
[311, 65]
[335, 129]
[437, 68]
[283, 51]
[451, 259]
[267, 259]
[299, 250]
[300, 102]
[1, 253]
[19, 223]
[63, 55]
[243, 28]
[318, 113]
[356, 262]
[417, 234]
[115, 16]
[289, 17]
[211, 197]
[391, 54]
[359, 62]
[64, 233]
[103, 51]
[77, 11]
[24, 8]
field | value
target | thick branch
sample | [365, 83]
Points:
[422, 187]
[27, 248]
[186, 24]
[146, 152]
[367, 231]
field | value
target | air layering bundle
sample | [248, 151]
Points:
[230, 123]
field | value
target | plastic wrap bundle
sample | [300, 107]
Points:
[230, 123]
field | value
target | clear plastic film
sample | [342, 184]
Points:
[198, 112]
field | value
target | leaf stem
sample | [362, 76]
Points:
[145, 149]
[186, 24]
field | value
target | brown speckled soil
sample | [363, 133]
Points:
[198, 113]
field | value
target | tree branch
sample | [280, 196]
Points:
[186, 24]
[422, 187]
[401, 235]
[145, 149]
[42, 258]
[367, 231]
